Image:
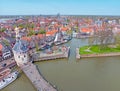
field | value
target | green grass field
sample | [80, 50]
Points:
[96, 50]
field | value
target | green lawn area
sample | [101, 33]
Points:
[96, 50]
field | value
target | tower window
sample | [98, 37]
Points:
[18, 56]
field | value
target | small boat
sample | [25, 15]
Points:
[8, 79]
[60, 42]
[4, 73]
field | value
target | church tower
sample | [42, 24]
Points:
[20, 50]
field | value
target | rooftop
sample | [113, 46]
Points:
[1, 47]
[20, 46]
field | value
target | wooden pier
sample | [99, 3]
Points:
[36, 78]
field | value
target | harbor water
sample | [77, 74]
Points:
[86, 74]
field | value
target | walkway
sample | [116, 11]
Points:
[36, 78]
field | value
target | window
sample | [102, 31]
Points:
[24, 56]
[18, 56]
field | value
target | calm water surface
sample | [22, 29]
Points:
[87, 74]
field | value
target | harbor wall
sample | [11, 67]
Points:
[78, 55]
[41, 57]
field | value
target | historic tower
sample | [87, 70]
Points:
[20, 50]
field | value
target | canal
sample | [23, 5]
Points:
[86, 74]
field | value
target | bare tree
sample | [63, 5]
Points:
[102, 38]
[117, 39]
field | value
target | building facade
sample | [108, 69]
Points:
[20, 50]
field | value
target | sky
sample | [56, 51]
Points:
[64, 7]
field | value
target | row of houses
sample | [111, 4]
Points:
[89, 25]
[52, 27]
[5, 51]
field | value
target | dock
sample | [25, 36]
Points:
[36, 78]
[100, 55]
[40, 56]
[79, 36]
[77, 53]
[78, 56]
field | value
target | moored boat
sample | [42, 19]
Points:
[8, 79]
[60, 42]
[4, 73]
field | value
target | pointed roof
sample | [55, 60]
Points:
[20, 46]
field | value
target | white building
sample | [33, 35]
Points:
[20, 51]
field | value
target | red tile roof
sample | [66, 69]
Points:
[1, 47]
[85, 30]
[26, 38]
[40, 36]
[51, 32]
[64, 28]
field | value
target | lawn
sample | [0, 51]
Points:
[96, 50]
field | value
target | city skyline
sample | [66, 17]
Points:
[64, 7]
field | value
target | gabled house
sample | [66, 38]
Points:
[86, 31]
[5, 51]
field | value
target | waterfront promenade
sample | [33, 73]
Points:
[78, 55]
[36, 78]
[101, 55]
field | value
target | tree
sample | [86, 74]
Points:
[2, 29]
[102, 38]
[91, 41]
[68, 20]
[69, 32]
[21, 26]
[117, 40]
[41, 31]
[105, 38]
[31, 32]
[6, 42]
[29, 26]
[36, 45]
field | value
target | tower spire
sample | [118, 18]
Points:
[20, 51]
[17, 30]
